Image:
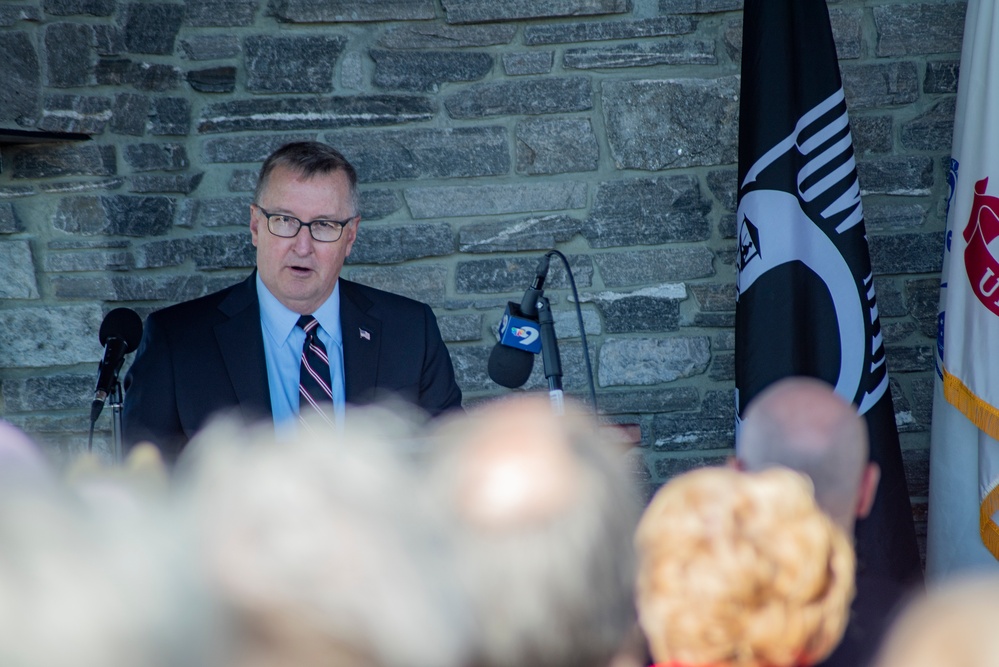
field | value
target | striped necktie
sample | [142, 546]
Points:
[314, 386]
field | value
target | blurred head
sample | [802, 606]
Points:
[322, 548]
[307, 181]
[952, 625]
[542, 513]
[742, 569]
[803, 424]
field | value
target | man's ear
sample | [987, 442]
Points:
[868, 489]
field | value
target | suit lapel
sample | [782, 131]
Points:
[361, 343]
[241, 340]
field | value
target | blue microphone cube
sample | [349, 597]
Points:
[519, 332]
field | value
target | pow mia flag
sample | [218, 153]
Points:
[806, 302]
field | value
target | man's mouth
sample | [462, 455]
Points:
[300, 270]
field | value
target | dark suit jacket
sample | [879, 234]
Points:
[202, 356]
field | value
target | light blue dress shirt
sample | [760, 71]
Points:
[283, 342]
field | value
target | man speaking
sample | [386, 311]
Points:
[293, 337]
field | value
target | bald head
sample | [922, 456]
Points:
[801, 423]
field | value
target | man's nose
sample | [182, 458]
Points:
[303, 241]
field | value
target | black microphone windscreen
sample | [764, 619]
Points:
[509, 367]
[123, 323]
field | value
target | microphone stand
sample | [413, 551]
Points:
[550, 355]
[115, 401]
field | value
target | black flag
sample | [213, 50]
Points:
[806, 303]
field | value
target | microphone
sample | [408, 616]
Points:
[120, 334]
[512, 358]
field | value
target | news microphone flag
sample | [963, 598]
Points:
[805, 293]
[962, 532]
[519, 332]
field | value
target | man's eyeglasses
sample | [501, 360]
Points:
[288, 226]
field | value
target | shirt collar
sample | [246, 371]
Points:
[280, 321]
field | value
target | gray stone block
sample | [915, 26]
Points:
[533, 233]
[460, 328]
[910, 358]
[872, 134]
[672, 51]
[339, 11]
[688, 433]
[897, 333]
[484, 11]
[135, 287]
[435, 36]
[648, 212]
[941, 77]
[153, 77]
[378, 244]
[129, 114]
[12, 14]
[528, 62]
[170, 116]
[921, 391]
[20, 78]
[378, 203]
[109, 40]
[352, 72]
[69, 336]
[77, 187]
[210, 47]
[714, 298]
[556, 146]
[667, 467]
[79, 7]
[649, 361]
[470, 368]
[207, 251]
[224, 212]
[16, 191]
[880, 85]
[664, 124]
[293, 64]
[889, 297]
[530, 96]
[457, 201]
[698, 6]
[219, 13]
[426, 70]
[426, 283]
[325, 113]
[425, 153]
[247, 149]
[68, 60]
[724, 185]
[649, 310]
[151, 27]
[642, 267]
[560, 33]
[243, 180]
[722, 367]
[9, 221]
[567, 323]
[75, 113]
[514, 273]
[668, 399]
[906, 253]
[910, 175]
[916, 29]
[213, 79]
[116, 215]
[62, 391]
[183, 184]
[47, 161]
[157, 157]
[848, 33]
[17, 271]
[95, 259]
[932, 130]
[923, 297]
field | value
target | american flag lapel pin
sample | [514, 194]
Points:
[366, 335]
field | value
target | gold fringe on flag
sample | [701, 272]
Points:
[982, 414]
[986, 526]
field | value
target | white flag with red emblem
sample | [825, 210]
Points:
[966, 404]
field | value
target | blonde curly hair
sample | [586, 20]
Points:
[744, 569]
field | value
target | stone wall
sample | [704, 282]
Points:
[485, 132]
